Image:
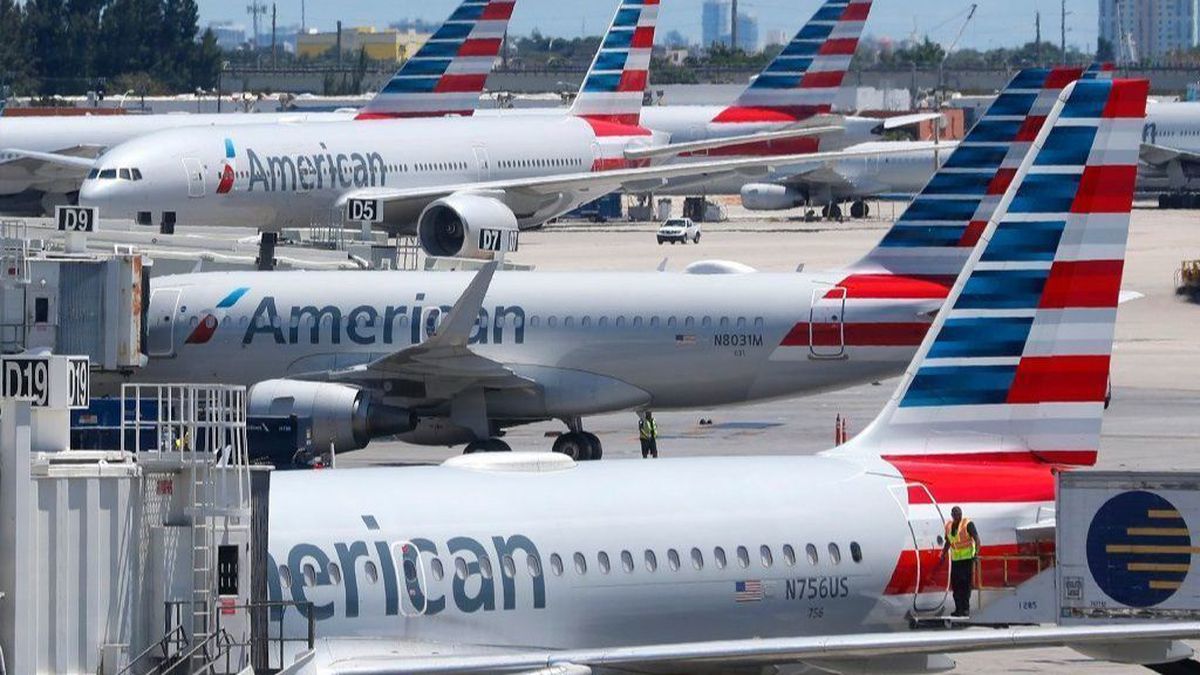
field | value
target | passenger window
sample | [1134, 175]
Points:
[438, 570]
[508, 567]
[556, 565]
[764, 553]
[835, 554]
[741, 322]
[724, 322]
[637, 322]
[285, 576]
[654, 322]
[335, 574]
[673, 559]
[620, 322]
[585, 322]
[743, 557]
[372, 571]
[689, 322]
[719, 557]
[580, 564]
[552, 321]
[651, 561]
[811, 552]
[789, 555]
[534, 321]
[568, 322]
[627, 561]
[758, 322]
[603, 322]
[697, 559]
[534, 564]
[602, 558]
[855, 552]
[460, 568]
[706, 322]
[671, 322]
[410, 570]
[310, 575]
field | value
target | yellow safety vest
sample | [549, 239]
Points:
[962, 544]
[647, 429]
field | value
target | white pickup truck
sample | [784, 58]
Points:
[679, 230]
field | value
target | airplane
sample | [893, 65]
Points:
[43, 161]
[531, 562]
[1170, 156]
[446, 358]
[516, 171]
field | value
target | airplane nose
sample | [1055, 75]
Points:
[105, 196]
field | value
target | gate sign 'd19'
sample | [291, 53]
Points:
[46, 381]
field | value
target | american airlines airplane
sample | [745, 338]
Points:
[1170, 147]
[43, 161]
[447, 358]
[533, 563]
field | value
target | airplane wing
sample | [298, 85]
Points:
[445, 363]
[374, 658]
[538, 198]
[71, 162]
[899, 121]
[1157, 155]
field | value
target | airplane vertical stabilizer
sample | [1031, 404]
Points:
[1016, 364]
[805, 77]
[448, 73]
[615, 83]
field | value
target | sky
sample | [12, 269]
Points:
[996, 23]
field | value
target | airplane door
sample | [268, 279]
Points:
[483, 166]
[826, 326]
[160, 319]
[195, 176]
[926, 525]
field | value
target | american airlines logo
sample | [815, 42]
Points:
[370, 325]
[301, 173]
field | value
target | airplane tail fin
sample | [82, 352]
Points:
[934, 236]
[1016, 364]
[448, 73]
[615, 83]
[803, 80]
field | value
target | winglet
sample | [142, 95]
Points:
[449, 71]
[455, 330]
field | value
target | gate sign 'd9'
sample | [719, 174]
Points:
[46, 381]
[76, 218]
[364, 211]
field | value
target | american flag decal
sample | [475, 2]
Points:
[748, 591]
[681, 340]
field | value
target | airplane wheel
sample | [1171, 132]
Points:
[474, 447]
[597, 448]
[572, 446]
[496, 445]
[810, 216]
[859, 209]
[835, 212]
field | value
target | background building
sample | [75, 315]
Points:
[382, 45]
[747, 36]
[229, 35]
[714, 22]
[1140, 30]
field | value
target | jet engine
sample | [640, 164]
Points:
[770, 197]
[467, 226]
[344, 416]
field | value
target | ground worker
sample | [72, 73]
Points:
[648, 433]
[962, 542]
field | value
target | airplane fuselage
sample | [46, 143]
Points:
[674, 551]
[593, 342]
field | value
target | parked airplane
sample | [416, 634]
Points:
[514, 171]
[1170, 157]
[447, 358]
[532, 563]
[44, 160]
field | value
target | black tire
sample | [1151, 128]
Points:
[475, 446]
[696, 239]
[571, 445]
[497, 445]
[835, 212]
[660, 241]
[596, 448]
[859, 210]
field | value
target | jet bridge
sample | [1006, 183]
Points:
[70, 302]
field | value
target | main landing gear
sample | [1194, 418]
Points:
[578, 444]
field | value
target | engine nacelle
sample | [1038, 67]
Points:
[343, 416]
[770, 197]
[467, 226]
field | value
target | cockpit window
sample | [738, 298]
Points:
[108, 173]
[93, 173]
[137, 175]
[125, 175]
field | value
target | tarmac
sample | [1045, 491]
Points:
[1152, 422]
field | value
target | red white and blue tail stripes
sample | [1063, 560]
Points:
[614, 86]
[806, 76]
[448, 72]
[1016, 364]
